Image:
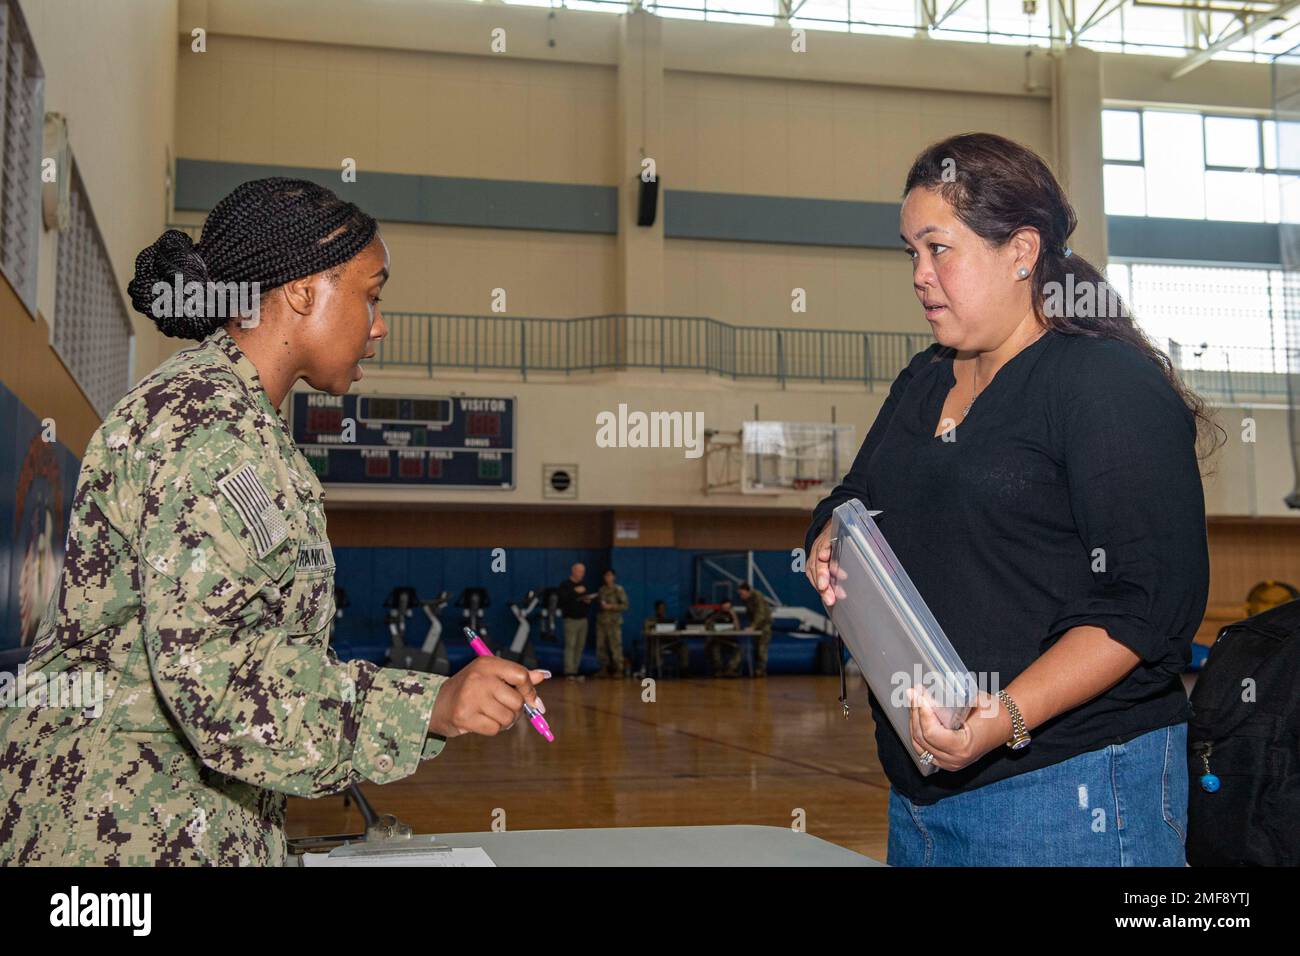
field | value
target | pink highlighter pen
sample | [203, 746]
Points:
[534, 715]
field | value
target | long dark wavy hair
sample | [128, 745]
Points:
[997, 187]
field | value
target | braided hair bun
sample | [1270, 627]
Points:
[267, 231]
[172, 254]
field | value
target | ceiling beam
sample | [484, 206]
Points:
[1248, 27]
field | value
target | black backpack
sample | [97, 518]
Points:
[1244, 754]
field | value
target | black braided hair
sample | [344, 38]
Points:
[268, 231]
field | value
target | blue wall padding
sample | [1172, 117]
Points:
[647, 574]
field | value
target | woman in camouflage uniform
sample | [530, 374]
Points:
[199, 581]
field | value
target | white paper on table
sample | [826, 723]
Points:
[456, 856]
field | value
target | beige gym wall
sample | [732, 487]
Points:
[732, 109]
[256, 100]
[296, 104]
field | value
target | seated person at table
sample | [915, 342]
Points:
[725, 615]
[760, 619]
[667, 640]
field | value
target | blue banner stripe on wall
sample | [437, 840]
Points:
[690, 214]
[432, 200]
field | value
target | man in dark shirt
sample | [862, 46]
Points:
[574, 602]
[1061, 523]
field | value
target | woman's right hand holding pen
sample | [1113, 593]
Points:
[485, 697]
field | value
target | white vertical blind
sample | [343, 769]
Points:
[21, 124]
[92, 330]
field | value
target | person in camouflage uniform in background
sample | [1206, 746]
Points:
[199, 581]
[760, 619]
[719, 640]
[609, 626]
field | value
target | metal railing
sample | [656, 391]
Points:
[694, 343]
[429, 340]
[662, 342]
[1232, 372]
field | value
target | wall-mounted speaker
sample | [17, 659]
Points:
[648, 202]
[560, 481]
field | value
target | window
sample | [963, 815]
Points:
[743, 11]
[1191, 166]
[1162, 29]
[1224, 327]
[1009, 23]
[1153, 30]
[886, 17]
[22, 119]
[1174, 158]
[92, 331]
[814, 14]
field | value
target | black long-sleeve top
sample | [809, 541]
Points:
[571, 603]
[1070, 496]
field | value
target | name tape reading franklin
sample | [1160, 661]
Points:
[315, 556]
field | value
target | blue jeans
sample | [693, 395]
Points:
[1122, 805]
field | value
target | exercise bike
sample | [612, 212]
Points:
[547, 627]
[473, 603]
[431, 656]
[521, 648]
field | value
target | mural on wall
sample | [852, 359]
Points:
[38, 534]
[37, 481]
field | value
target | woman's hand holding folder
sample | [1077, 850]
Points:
[986, 727]
[819, 569]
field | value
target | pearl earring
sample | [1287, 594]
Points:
[1022, 272]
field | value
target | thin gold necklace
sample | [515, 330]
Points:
[974, 376]
[974, 387]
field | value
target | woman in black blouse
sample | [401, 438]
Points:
[1037, 471]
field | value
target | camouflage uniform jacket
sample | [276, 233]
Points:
[199, 582]
[616, 597]
[760, 612]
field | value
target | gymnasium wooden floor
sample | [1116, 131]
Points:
[706, 751]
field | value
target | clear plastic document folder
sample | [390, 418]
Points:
[888, 629]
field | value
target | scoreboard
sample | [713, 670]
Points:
[435, 441]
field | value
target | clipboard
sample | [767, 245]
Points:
[888, 629]
[422, 850]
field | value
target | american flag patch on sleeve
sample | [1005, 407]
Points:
[256, 509]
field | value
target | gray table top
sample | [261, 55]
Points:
[658, 846]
